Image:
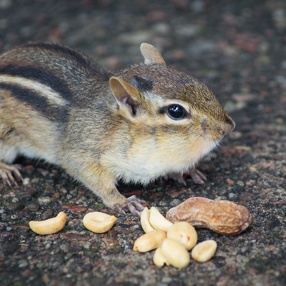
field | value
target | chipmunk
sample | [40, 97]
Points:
[136, 125]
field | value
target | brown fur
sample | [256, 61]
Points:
[58, 105]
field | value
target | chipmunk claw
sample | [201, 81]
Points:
[10, 174]
[133, 205]
[197, 176]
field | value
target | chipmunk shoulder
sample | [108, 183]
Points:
[138, 124]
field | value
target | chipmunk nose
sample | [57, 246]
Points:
[229, 125]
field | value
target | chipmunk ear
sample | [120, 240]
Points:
[126, 95]
[151, 55]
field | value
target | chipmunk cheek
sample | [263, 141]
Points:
[204, 125]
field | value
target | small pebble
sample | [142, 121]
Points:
[231, 195]
[44, 200]
[23, 263]
[26, 181]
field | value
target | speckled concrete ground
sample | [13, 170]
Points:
[238, 49]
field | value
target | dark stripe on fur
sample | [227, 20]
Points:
[37, 102]
[143, 84]
[44, 77]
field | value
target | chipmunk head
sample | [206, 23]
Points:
[181, 111]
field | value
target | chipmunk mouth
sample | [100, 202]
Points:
[217, 130]
[202, 148]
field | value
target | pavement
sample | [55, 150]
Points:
[238, 49]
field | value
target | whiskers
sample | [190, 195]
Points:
[196, 140]
[226, 104]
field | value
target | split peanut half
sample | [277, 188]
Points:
[149, 241]
[49, 226]
[145, 220]
[184, 233]
[173, 253]
[158, 221]
[98, 222]
[204, 251]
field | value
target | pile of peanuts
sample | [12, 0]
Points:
[97, 222]
[172, 241]
[172, 237]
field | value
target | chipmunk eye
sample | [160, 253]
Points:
[176, 112]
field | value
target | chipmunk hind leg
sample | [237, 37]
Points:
[107, 191]
[8, 153]
[102, 183]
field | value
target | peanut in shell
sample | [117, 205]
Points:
[223, 217]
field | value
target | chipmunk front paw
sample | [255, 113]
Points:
[10, 173]
[197, 176]
[133, 205]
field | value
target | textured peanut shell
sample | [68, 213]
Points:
[223, 217]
